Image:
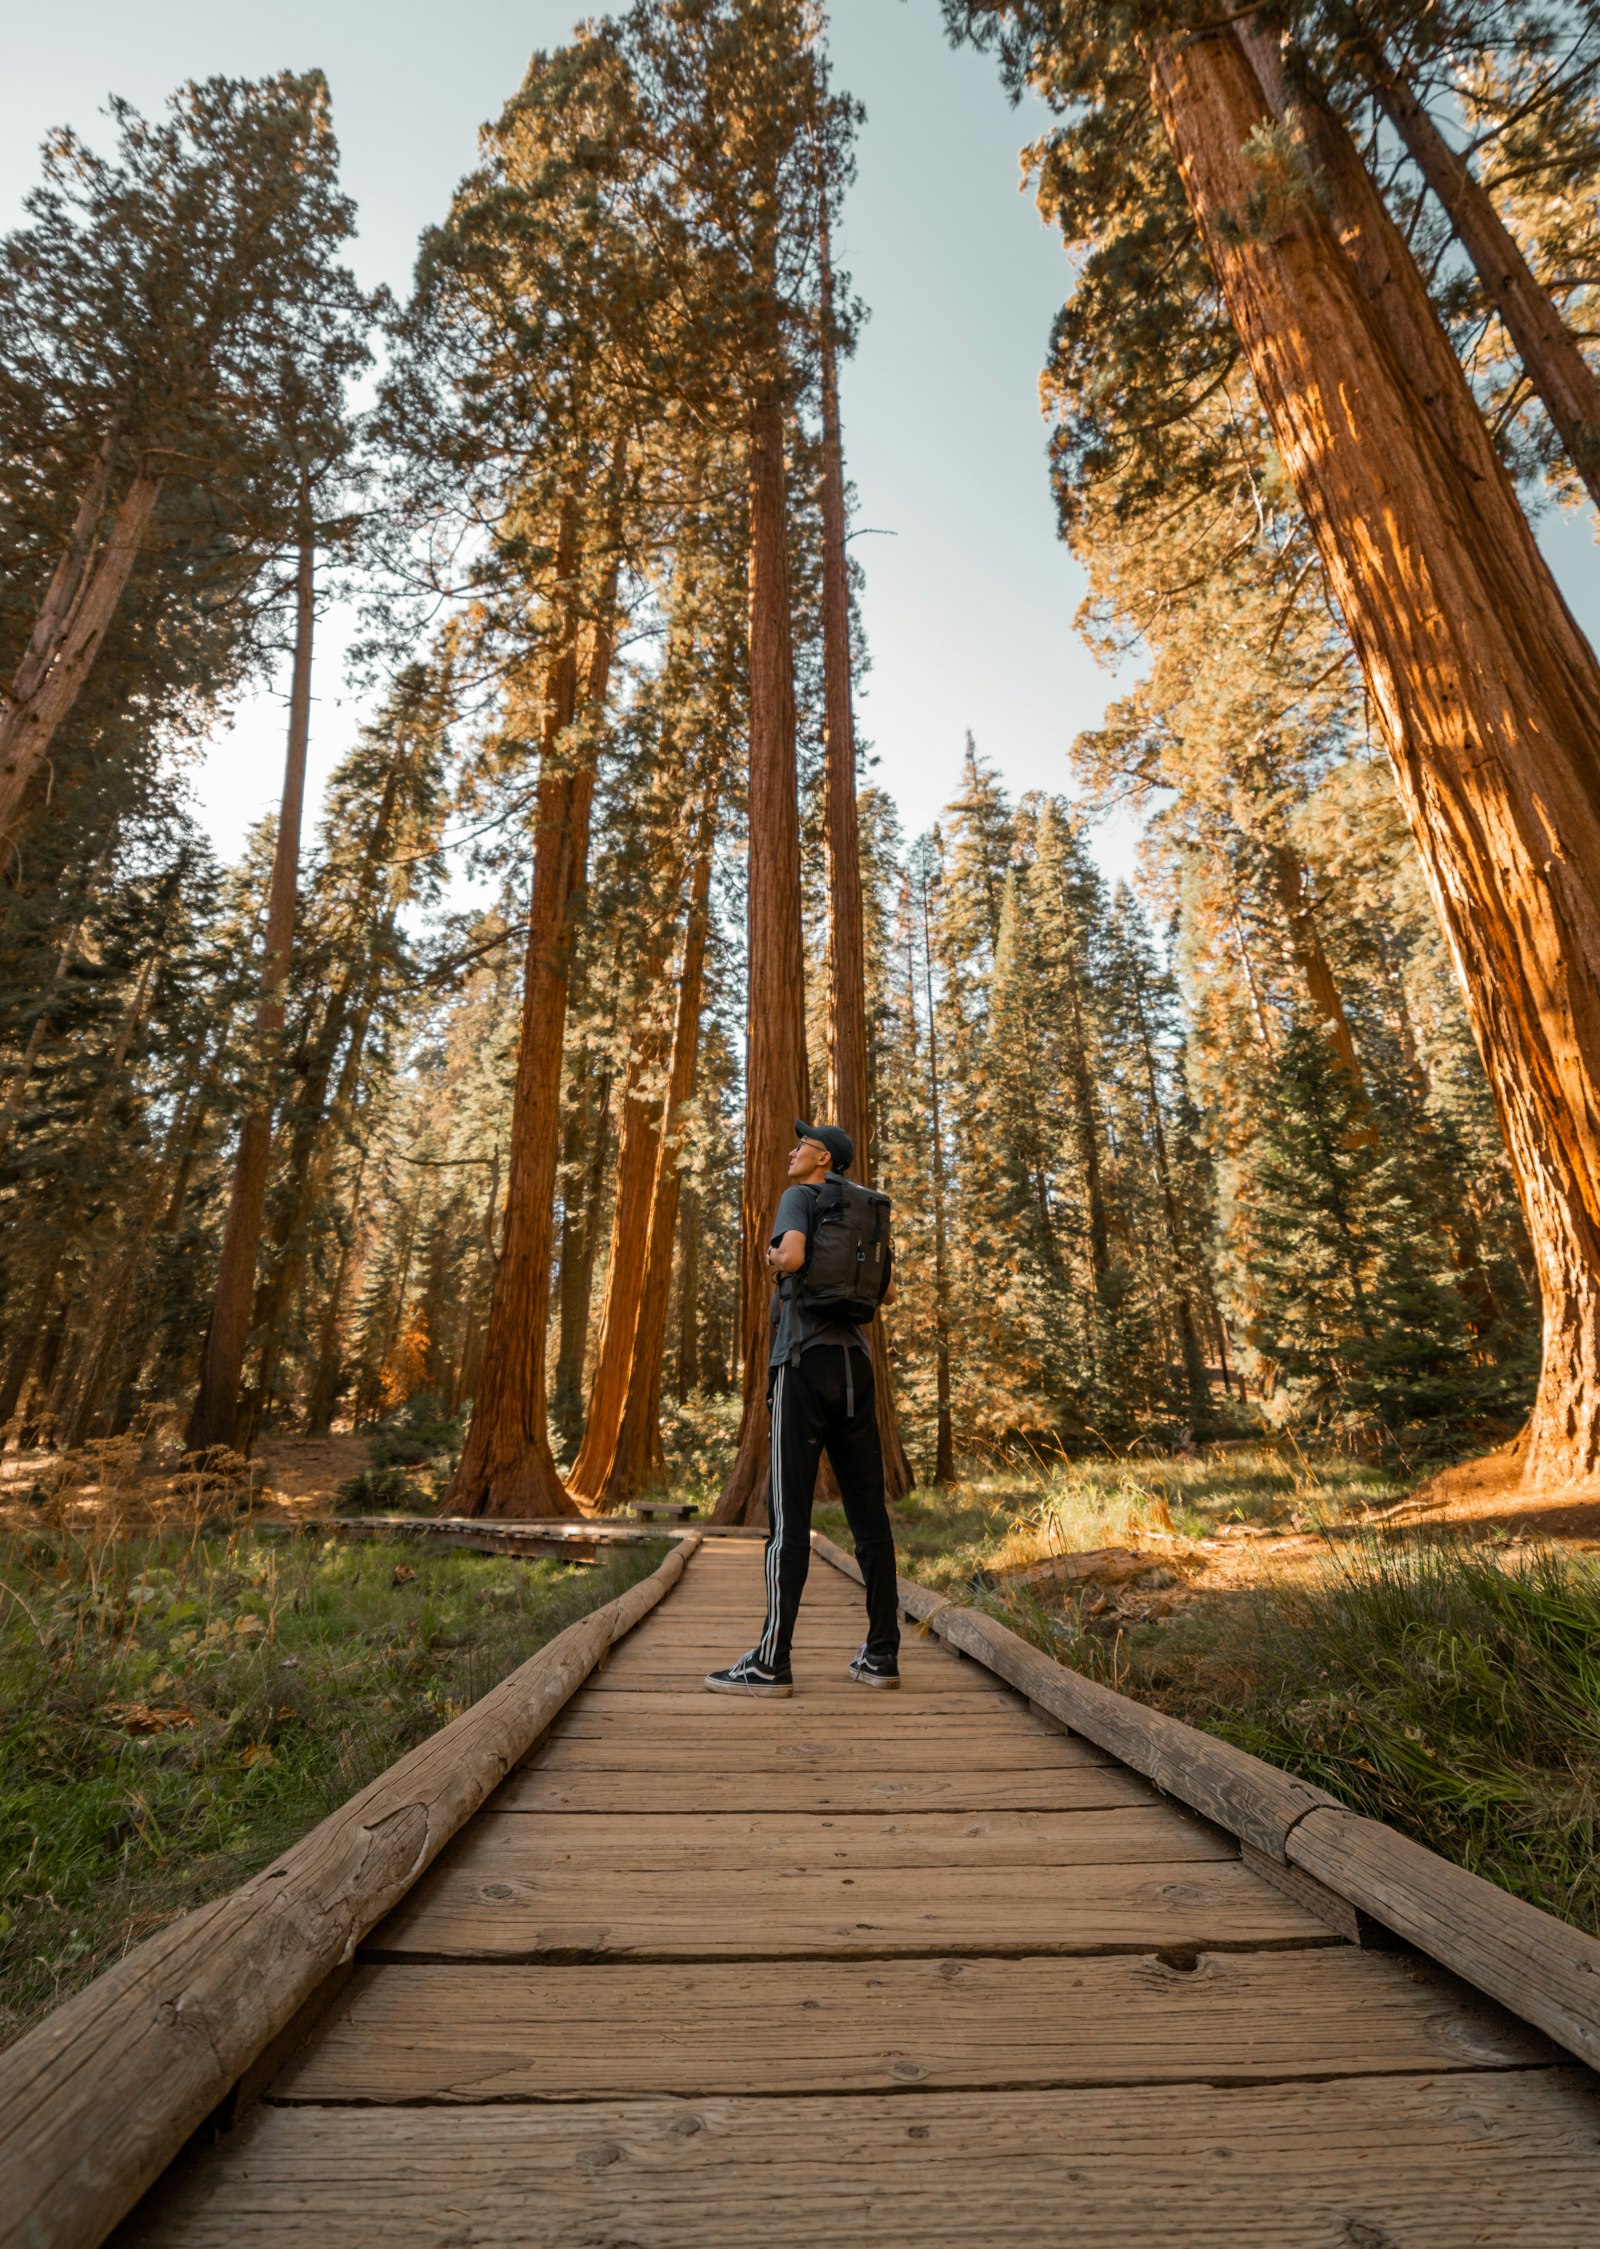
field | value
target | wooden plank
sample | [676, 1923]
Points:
[1252, 1799]
[773, 1911]
[97, 2098]
[1544, 1969]
[729, 1719]
[793, 1787]
[821, 1750]
[1503, 2160]
[467, 2033]
[837, 1693]
[566, 1847]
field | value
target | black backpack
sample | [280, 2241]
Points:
[848, 1252]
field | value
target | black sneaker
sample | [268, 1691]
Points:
[748, 1677]
[875, 1671]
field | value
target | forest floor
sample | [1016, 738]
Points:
[181, 1699]
[180, 1694]
[1427, 1651]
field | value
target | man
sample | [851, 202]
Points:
[820, 1390]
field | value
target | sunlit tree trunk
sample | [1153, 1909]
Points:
[626, 1442]
[1487, 692]
[622, 1304]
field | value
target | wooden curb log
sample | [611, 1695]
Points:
[1540, 1968]
[98, 2099]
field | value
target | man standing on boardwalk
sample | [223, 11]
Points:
[820, 1391]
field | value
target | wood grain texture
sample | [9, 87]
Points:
[797, 1787]
[565, 1849]
[1546, 1971]
[732, 1724]
[1491, 2161]
[1250, 1798]
[103, 2093]
[885, 1749]
[472, 2034]
[776, 1911]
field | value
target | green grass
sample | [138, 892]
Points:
[1448, 1688]
[177, 1708]
[950, 1537]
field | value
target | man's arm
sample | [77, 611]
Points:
[788, 1253]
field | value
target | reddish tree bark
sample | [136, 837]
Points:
[215, 1418]
[507, 1467]
[775, 1041]
[1487, 692]
[638, 1144]
[623, 1434]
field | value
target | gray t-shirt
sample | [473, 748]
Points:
[790, 1319]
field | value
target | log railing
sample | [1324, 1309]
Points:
[1540, 1968]
[96, 2101]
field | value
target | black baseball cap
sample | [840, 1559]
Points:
[841, 1148]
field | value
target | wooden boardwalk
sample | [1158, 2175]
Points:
[899, 1969]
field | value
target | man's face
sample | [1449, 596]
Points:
[807, 1158]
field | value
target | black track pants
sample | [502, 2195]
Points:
[815, 1406]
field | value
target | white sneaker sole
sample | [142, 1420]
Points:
[876, 1678]
[757, 1690]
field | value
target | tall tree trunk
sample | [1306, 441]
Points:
[1196, 1380]
[638, 1144]
[1488, 694]
[1551, 355]
[507, 1467]
[849, 1073]
[775, 1036]
[306, 1175]
[79, 604]
[623, 1439]
[585, 1153]
[686, 1374]
[214, 1420]
[1286, 870]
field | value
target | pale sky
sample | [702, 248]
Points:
[968, 606]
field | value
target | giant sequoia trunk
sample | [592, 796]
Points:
[1488, 694]
[507, 1467]
[638, 1143]
[622, 1437]
[79, 604]
[775, 1041]
[215, 1418]
[849, 1071]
